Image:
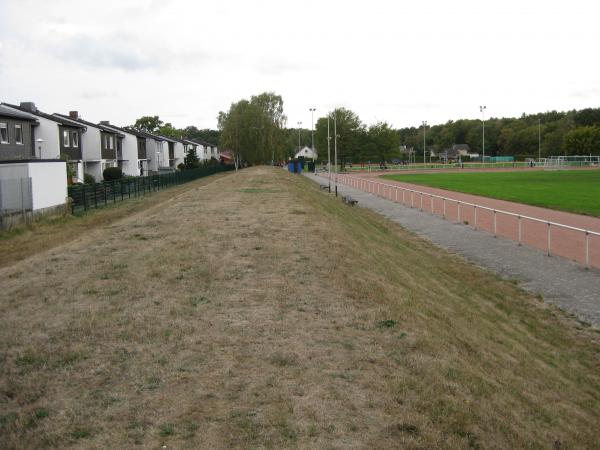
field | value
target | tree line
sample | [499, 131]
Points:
[255, 130]
[153, 124]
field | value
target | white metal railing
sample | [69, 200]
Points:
[381, 189]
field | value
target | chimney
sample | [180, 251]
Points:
[104, 122]
[29, 107]
[74, 114]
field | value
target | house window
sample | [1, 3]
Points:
[75, 139]
[66, 142]
[18, 135]
[3, 133]
[109, 142]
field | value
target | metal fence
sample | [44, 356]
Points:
[16, 201]
[98, 195]
[575, 243]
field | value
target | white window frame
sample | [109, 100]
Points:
[4, 126]
[18, 135]
[75, 139]
[66, 138]
[110, 142]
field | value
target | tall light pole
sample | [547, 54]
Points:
[335, 148]
[312, 130]
[328, 153]
[424, 141]
[299, 123]
[482, 110]
[539, 139]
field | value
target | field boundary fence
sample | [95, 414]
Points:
[578, 244]
[97, 195]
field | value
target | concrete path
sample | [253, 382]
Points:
[561, 282]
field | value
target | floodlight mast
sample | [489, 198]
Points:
[328, 154]
[482, 110]
[424, 141]
[335, 136]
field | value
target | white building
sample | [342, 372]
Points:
[306, 153]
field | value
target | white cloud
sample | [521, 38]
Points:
[397, 61]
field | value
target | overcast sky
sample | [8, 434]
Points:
[402, 62]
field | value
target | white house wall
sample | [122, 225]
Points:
[48, 184]
[164, 154]
[151, 154]
[91, 145]
[179, 153]
[48, 131]
[129, 154]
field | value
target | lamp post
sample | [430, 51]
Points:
[39, 143]
[424, 141]
[482, 110]
[328, 154]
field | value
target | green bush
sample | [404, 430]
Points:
[88, 179]
[112, 173]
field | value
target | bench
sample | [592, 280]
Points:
[349, 200]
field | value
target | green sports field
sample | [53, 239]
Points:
[575, 191]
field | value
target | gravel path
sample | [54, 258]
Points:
[561, 282]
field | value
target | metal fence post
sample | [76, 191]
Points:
[475, 216]
[549, 239]
[495, 223]
[519, 237]
[587, 250]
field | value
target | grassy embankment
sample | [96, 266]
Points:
[575, 191]
[259, 312]
[51, 231]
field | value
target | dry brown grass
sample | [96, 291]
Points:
[258, 312]
[50, 231]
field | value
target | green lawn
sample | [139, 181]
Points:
[575, 191]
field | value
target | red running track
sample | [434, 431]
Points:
[564, 242]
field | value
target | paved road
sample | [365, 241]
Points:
[565, 242]
[560, 281]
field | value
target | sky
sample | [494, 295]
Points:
[396, 61]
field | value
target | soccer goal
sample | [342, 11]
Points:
[565, 162]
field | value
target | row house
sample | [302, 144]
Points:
[55, 137]
[16, 134]
[28, 180]
[101, 145]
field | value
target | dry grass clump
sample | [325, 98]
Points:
[258, 312]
